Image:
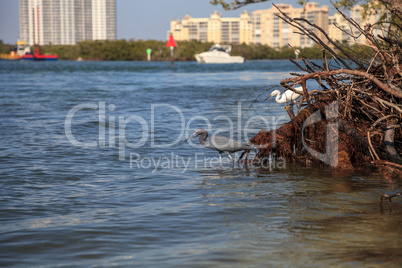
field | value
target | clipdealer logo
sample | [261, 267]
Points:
[112, 132]
[331, 155]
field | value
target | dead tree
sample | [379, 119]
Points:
[368, 92]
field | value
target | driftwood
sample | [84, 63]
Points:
[368, 96]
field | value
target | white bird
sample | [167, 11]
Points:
[287, 96]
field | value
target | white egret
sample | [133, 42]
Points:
[287, 96]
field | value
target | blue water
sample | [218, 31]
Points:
[94, 172]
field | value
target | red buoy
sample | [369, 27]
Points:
[171, 42]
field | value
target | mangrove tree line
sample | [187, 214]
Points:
[135, 50]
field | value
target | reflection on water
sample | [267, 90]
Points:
[74, 206]
[289, 219]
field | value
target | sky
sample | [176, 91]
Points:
[142, 19]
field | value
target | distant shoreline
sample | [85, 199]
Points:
[135, 50]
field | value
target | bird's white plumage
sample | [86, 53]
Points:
[287, 96]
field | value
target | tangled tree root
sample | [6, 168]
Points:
[355, 118]
[297, 143]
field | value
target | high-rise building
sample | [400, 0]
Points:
[343, 31]
[214, 29]
[266, 28]
[338, 28]
[67, 22]
[263, 27]
[370, 17]
[270, 30]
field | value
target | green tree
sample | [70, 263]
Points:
[5, 48]
[122, 50]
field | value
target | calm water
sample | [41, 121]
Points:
[94, 172]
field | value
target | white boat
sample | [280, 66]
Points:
[218, 54]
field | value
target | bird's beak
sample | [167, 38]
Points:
[192, 136]
[269, 97]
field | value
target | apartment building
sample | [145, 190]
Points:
[265, 27]
[370, 17]
[338, 28]
[270, 30]
[341, 30]
[214, 29]
[67, 22]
